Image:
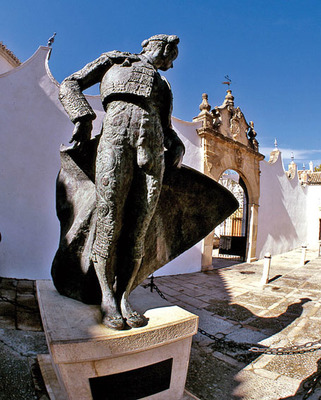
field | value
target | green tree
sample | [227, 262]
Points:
[317, 168]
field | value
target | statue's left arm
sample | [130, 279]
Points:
[173, 144]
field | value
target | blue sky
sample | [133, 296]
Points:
[270, 49]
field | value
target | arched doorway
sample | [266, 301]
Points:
[229, 142]
[230, 237]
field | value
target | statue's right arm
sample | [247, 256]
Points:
[70, 92]
[74, 101]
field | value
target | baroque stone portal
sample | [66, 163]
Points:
[125, 206]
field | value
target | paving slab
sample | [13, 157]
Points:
[295, 366]
[252, 386]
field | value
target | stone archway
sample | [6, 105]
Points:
[230, 237]
[229, 142]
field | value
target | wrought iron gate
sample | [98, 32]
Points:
[232, 232]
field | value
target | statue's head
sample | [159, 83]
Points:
[161, 50]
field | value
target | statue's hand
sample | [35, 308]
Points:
[175, 149]
[81, 132]
[175, 155]
[178, 154]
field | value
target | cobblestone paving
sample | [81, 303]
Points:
[234, 310]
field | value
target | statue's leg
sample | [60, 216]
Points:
[111, 316]
[144, 196]
[113, 180]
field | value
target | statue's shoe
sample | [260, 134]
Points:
[117, 323]
[135, 320]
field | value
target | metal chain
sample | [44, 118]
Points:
[153, 286]
[308, 347]
[220, 340]
[310, 385]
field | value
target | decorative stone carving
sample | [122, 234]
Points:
[230, 143]
[238, 158]
[251, 135]
[238, 124]
[235, 125]
[216, 159]
[205, 116]
[204, 106]
[230, 121]
[217, 120]
[274, 155]
[229, 100]
[292, 169]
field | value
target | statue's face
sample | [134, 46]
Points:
[167, 61]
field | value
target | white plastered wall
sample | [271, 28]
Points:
[313, 215]
[190, 260]
[4, 65]
[33, 125]
[282, 222]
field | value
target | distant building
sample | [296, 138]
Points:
[309, 177]
[280, 210]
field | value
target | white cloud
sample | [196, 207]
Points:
[299, 154]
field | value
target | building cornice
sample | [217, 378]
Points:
[9, 56]
[209, 133]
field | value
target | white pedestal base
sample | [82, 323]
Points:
[93, 362]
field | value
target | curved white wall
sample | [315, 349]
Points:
[187, 132]
[282, 223]
[33, 125]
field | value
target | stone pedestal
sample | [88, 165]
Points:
[93, 362]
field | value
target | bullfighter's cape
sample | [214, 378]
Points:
[190, 206]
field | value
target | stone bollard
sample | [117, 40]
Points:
[266, 269]
[303, 255]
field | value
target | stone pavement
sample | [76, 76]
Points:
[234, 309]
[21, 339]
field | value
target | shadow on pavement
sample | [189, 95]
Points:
[233, 322]
[308, 387]
[213, 374]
